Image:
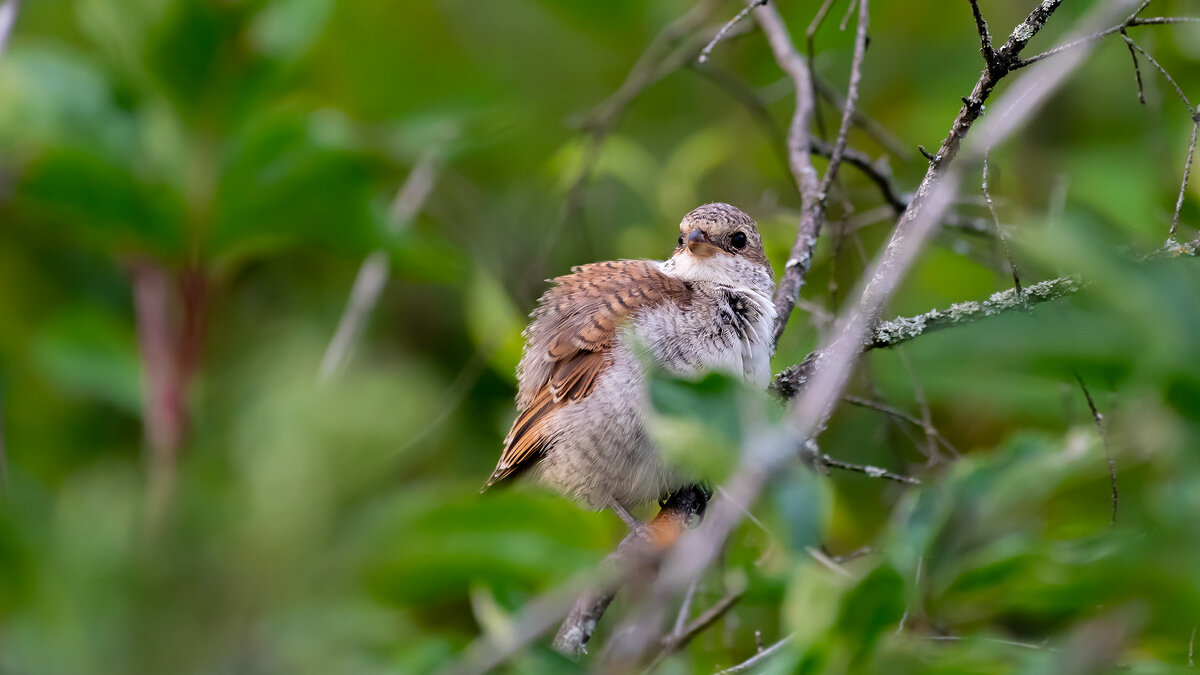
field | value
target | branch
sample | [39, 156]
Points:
[758, 658]
[164, 414]
[374, 271]
[3, 455]
[791, 381]
[679, 639]
[868, 125]
[636, 554]
[1130, 22]
[811, 205]
[872, 471]
[725, 29]
[878, 174]
[8, 17]
[662, 56]
[985, 38]
[1098, 419]
[810, 52]
[888, 410]
[839, 145]
[1187, 172]
[987, 196]
[902, 329]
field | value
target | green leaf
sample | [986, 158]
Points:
[874, 605]
[104, 203]
[94, 354]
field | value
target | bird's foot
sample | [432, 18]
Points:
[635, 525]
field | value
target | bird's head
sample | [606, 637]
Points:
[718, 242]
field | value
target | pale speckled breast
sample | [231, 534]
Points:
[723, 329]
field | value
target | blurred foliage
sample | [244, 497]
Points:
[251, 149]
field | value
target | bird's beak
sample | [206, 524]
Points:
[699, 244]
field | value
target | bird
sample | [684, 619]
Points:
[582, 380]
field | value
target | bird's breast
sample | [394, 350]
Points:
[722, 329]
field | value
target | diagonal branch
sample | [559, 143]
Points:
[985, 38]
[762, 655]
[1098, 419]
[374, 271]
[8, 18]
[839, 145]
[813, 205]
[798, 144]
[680, 638]
[725, 30]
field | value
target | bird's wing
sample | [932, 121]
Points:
[569, 344]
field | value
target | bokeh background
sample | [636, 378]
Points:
[188, 189]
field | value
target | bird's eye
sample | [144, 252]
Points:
[738, 240]
[680, 240]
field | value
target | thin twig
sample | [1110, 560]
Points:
[762, 655]
[872, 471]
[814, 194]
[875, 171]
[1187, 172]
[660, 58]
[8, 18]
[828, 562]
[1137, 71]
[1010, 643]
[985, 38]
[888, 410]
[931, 432]
[1130, 22]
[839, 145]
[685, 608]
[680, 639]
[852, 555]
[1012, 264]
[865, 123]
[164, 413]
[1178, 89]
[917, 586]
[3, 454]
[744, 94]
[373, 273]
[663, 56]
[810, 53]
[1191, 644]
[634, 554]
[726, 28]
[758, 523]
[846, 17]
[811, 206]
[1098, 419]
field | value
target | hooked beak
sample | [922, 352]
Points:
[699, 244]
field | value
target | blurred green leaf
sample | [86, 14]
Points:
[90, 353]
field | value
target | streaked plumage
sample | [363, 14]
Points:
[582, 401]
